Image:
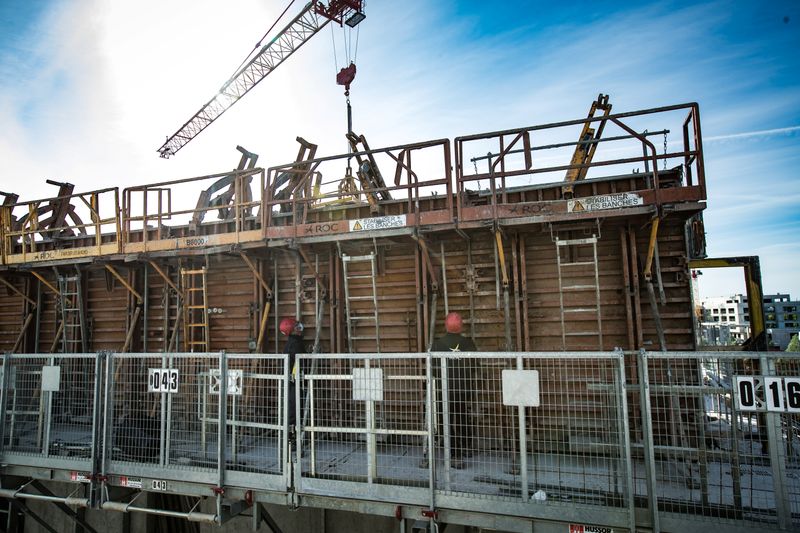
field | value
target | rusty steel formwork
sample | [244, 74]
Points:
[531, 261]
[542, 243]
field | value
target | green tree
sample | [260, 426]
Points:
[794, 344]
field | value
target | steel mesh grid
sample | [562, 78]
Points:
[711, 459]
[179, 429]
[362, 418]
[573, 441]
[255, 414]
[163, 428]
[50, 416]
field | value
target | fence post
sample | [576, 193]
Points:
[6, 370]
[429, 401]
[222, 432]
[647, 433]
[622, 413]
[97, 430]
[108, 416]
[777, 453]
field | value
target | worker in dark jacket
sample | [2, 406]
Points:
[293, 331]
[460, 388]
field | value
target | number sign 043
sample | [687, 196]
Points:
[759, 393]
[162, 380]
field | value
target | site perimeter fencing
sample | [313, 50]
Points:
[672, 441]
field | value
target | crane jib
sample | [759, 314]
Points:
[306, 24]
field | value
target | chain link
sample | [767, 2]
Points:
[665, 150]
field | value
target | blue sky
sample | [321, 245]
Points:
[89, 90]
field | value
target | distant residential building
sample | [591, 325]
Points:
[781, 318]
[725, 320]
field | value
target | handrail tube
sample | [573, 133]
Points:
[565, 144]
[67, 500]
[64, 197]
[191, 516]
[511, 173]
[551, 125]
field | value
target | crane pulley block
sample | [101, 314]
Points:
[346, 76]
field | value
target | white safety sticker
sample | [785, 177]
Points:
[234, 382]
[130, 482]
[606, 201]
[162, 380]
[80, 477]
[369, 224]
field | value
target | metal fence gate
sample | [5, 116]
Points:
[663, 441]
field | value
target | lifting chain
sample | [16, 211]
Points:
[665, 150]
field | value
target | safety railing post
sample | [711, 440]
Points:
[445, 422]
[429, 400]
[222, 422]
[647, 434]
[523, 443]
[97, 430]
[625, 438]
[6, 370]
[777, 453]
[108, 417]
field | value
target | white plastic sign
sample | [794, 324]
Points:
[162, 380]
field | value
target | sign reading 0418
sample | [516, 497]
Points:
[162, 380]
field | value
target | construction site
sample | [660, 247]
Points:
[565, 247]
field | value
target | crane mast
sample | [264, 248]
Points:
[313, 17]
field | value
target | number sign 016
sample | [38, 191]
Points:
[758, 393]
[162, 380]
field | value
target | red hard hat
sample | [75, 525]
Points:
[453, 323]
[287, 325]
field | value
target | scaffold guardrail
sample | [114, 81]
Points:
[656, 440]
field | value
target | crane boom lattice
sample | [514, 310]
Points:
[304, 26]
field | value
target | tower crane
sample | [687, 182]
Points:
[311, 19]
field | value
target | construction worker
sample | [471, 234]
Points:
[293, 331]
[459, 387]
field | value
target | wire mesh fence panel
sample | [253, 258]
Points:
[255, 413]
[362, 419]
[788, 449]
[157, 414]
[721, 439]
[530, 427]
[50, 407]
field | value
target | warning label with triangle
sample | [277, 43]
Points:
[378, 223]
[605, 201]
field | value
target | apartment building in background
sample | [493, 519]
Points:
[725, 320]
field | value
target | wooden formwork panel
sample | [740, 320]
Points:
[12, 313]
[107, 310]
